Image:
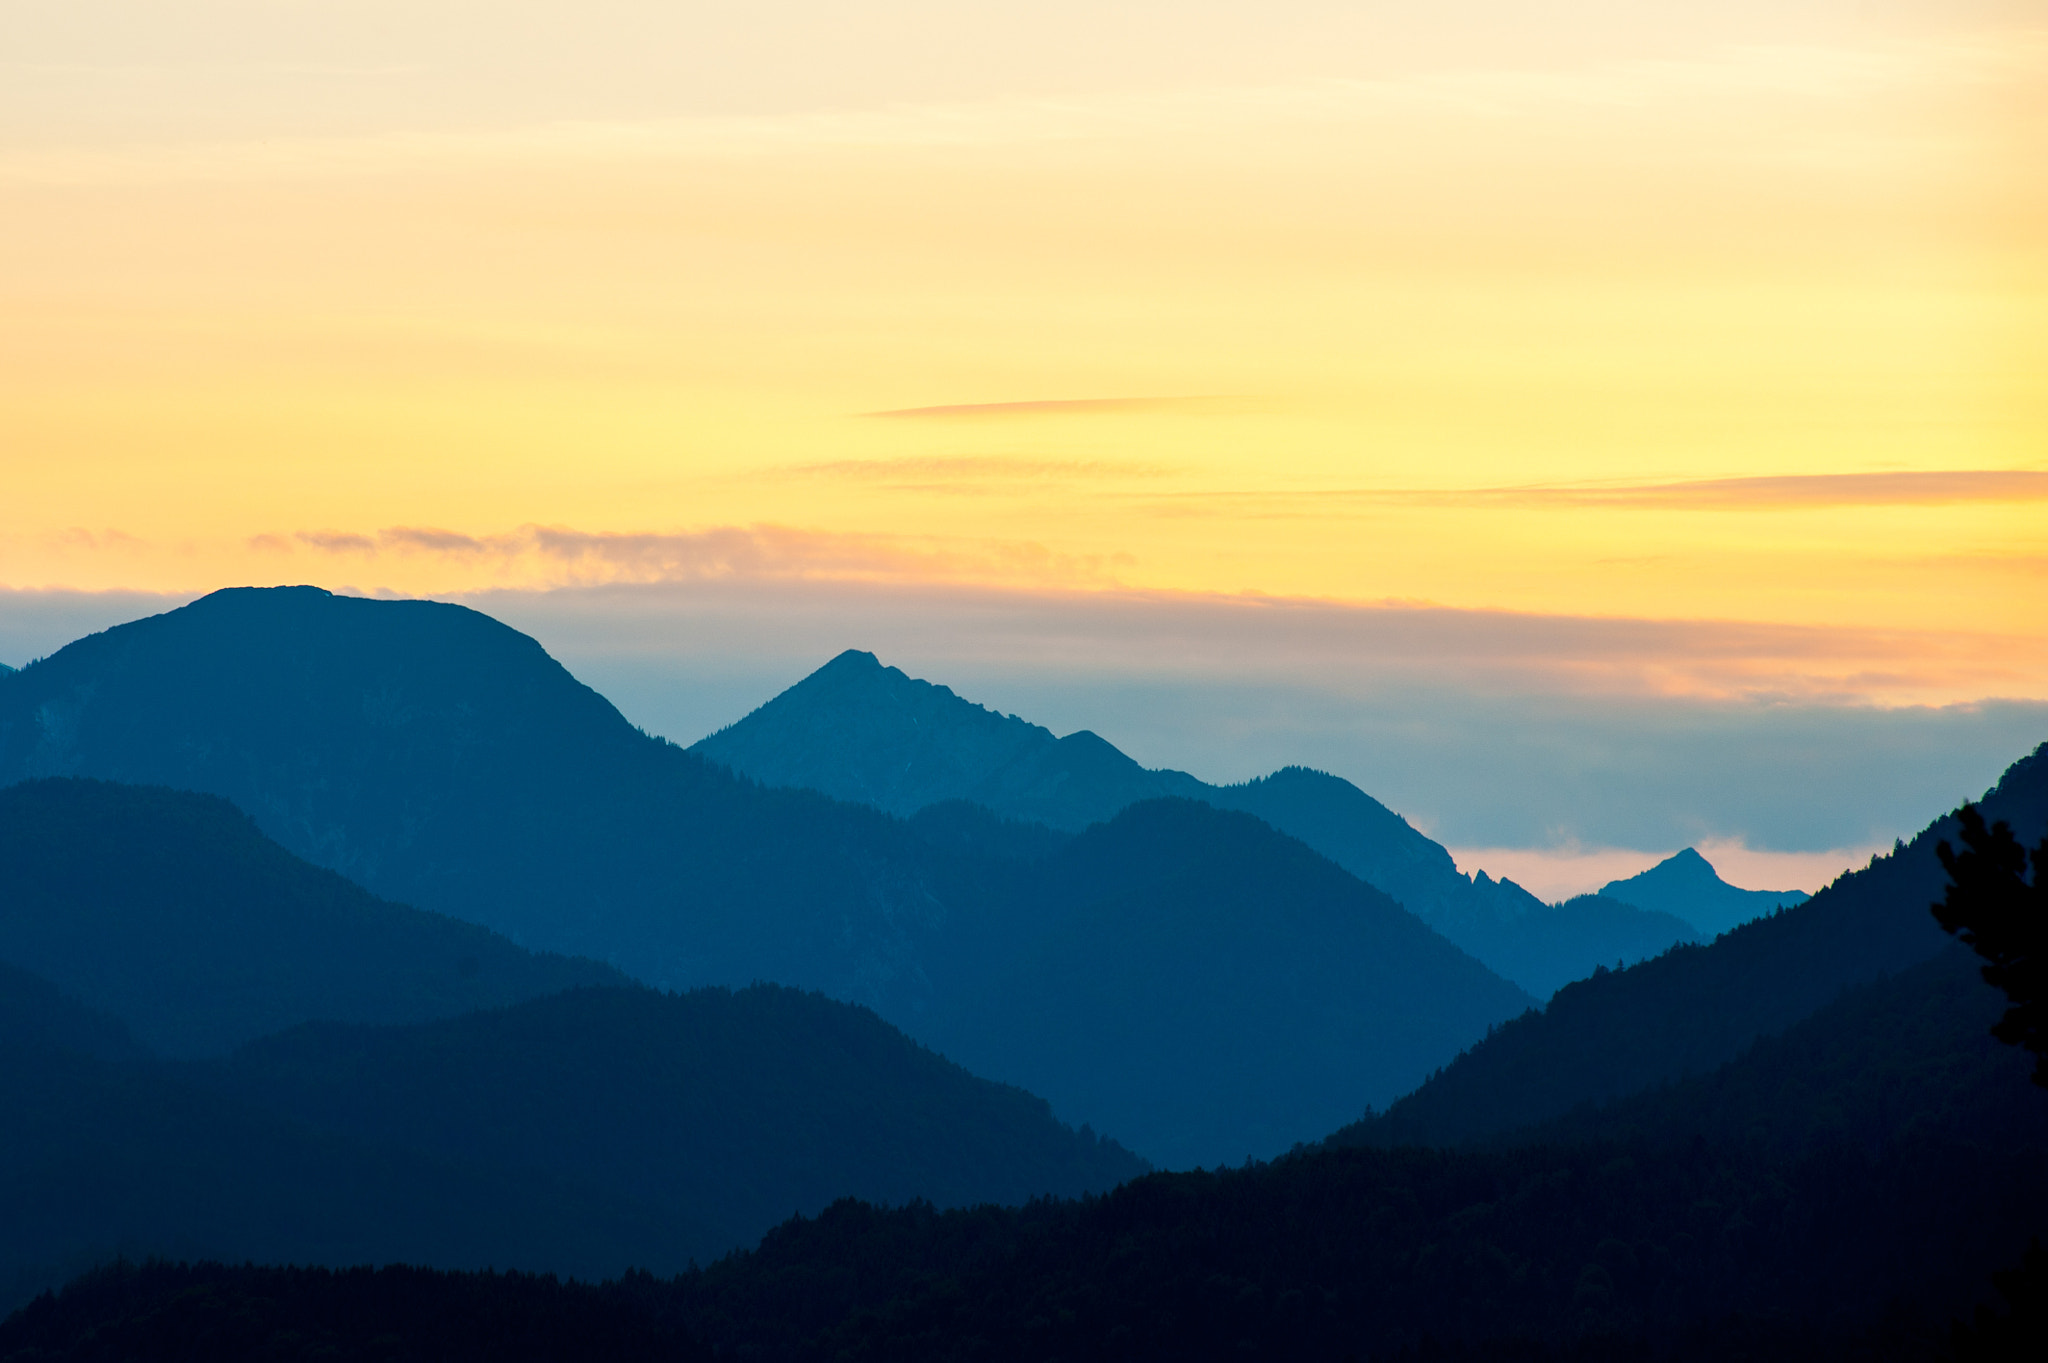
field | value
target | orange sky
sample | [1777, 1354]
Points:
[1591, 310]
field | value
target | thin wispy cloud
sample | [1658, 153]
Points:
[539, 555]
[1910, 488]
[1774, 492]
[1194, 406]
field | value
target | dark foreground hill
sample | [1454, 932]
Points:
[1695, 1007]
[1843, 1192]
[582, 1133]
[160, 1312]
[172, 912]
[860, 731]
[446, 761]
[102, 1156]
[726, 1110]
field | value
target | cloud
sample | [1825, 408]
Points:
[547, 556]
[1487, 729]
[1104, 625]
[1914, 488]
[1804, 491]
[968, 475]
[333, 541]
[1197, 406]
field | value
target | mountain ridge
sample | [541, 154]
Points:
[1695, 1007]
[858, 729]
[449, 763]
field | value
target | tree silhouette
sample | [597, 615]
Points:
[1991, 905]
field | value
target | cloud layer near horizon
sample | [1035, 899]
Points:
[1551, 738]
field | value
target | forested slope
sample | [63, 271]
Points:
[1696, 1007]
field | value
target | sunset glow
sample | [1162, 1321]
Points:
[1727, 321]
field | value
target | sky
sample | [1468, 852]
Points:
[1588, 426]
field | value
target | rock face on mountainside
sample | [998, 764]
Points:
[861, 731]
[1622, 1032]
[1686, 886]
[443, 760]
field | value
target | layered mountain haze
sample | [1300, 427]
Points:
[861, 731]
[1622, 1032]
[717, 1110]
[111, 1153]
[171, 911]
[444, 760]
[592, 1126]
[1144, 973]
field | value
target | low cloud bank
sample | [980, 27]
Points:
[1531, 735]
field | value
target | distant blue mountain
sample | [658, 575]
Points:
[861, 731]
[440, 759]
[209, 1046]
[1686, 886]
[172, 912]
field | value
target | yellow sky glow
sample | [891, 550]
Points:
[1738, 325]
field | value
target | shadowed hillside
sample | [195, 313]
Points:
[1695, 1007]
[108, 1156]
[1839, 1193]
[250, 1314]
[586, 1132]
[1148, 971]
[447, 761]
[725, 1110]
[171, 911]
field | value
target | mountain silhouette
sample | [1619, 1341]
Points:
[724, 1110]
[861, 731]
[1686, 885]
[1147, 972]
[108, 1152]
[444, 760]
[1695, 1007]
[438, 758]
[1842, 1191]
[172, 912]
[585, 1133]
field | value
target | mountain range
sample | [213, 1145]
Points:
[442, 760]
[860, 731]
[1696, 1007]
[432, 1092]
[1796, 1140]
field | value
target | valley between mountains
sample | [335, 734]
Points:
[339, 932]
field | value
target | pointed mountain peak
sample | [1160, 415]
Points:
[854, 660]
[1688, 865]
[1686, 885]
